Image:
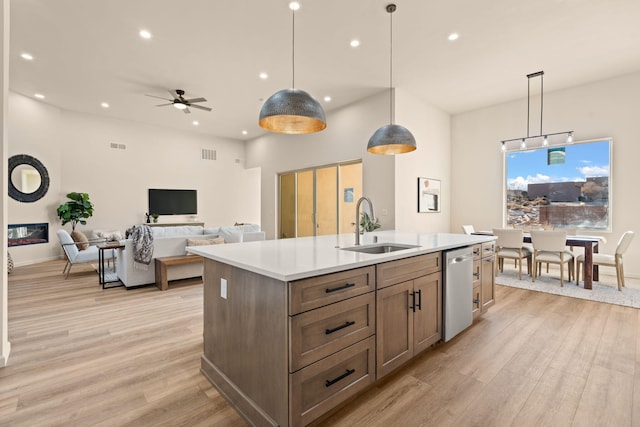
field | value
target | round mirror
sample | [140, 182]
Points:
[28, 178]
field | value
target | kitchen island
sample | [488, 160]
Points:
[293, 327]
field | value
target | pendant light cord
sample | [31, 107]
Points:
[293, 49]
[391, 66]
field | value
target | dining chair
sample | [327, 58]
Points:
[609, 260]
[510, 245]
[468, 229]
[550, 247]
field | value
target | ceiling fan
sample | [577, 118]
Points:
[180, 103]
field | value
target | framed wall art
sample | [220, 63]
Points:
[429, 195]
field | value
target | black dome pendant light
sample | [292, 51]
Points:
[391, 139]
[292, 111]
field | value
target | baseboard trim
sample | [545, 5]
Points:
[4, 357]
[236, 398]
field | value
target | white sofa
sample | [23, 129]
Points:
[172, 241]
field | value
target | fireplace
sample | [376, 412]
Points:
[27, 234]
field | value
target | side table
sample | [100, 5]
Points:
[102, 247]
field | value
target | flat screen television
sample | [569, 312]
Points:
[173, 202]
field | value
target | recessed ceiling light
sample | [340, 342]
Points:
[264, 76]
[294, 5]
[104, 105]
[27, 56]
[39, 95]
[327, 98]
[145, 34]
[195, 122]
[453, 36]
[355, 43]
[244, 132]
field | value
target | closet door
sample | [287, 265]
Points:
[326, 200]
[305, 203]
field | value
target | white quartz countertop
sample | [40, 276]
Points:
[293, 259]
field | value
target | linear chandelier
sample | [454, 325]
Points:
[542, 138]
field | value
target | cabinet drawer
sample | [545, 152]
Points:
[392, 272]
[314, 292]
[321, 386]
[318, 333]
[477, 273]
[488, 249]
[477, 251]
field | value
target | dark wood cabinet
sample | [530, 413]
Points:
[409, 312]
[484, 281]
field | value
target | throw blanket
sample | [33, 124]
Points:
[142, 237]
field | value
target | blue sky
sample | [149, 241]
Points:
[581, 161]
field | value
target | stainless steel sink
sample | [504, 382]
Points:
[379, 248]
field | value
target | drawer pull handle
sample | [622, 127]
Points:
[339, 288]
[419, 304]
[337, 328]
[348, 372]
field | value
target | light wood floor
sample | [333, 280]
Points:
[86, 356]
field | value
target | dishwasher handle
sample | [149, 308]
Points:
[460, 259]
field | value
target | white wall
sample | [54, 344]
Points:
[345, 138]
[5, 345]
[431, 129]
[75, 149]
[607, 108]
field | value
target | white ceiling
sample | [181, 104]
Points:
[89, 51]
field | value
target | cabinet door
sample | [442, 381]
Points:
[488, 282]
[394, 327]
[427, 318]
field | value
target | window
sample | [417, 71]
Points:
[565, 186]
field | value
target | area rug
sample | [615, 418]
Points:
[606, 290]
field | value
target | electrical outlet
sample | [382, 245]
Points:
[223, 288]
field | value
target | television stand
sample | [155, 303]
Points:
[173, 224]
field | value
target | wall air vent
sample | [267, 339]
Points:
[114, 145]
[117, 146]
[208, 154]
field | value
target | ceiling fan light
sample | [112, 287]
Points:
[391, 139]
[179, 105]
[292, 111]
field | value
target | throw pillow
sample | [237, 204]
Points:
[204, 242]
[231, 234]
[80, 239]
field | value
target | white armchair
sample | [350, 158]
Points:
[73, 254]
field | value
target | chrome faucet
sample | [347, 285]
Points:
[360, 200]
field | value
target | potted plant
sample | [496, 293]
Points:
[155, 218]
[367, 223]
[76, 210]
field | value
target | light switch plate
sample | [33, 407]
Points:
[223, 288]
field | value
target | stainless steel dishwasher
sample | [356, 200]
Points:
[458, 292]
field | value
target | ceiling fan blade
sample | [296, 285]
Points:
[174, 94]
[186, 111]
[164, 105]
[199, 107]
[196, 100]
[159, 97]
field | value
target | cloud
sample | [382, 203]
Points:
[590, 171]
[521, 183]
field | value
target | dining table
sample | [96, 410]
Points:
[590, 245]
